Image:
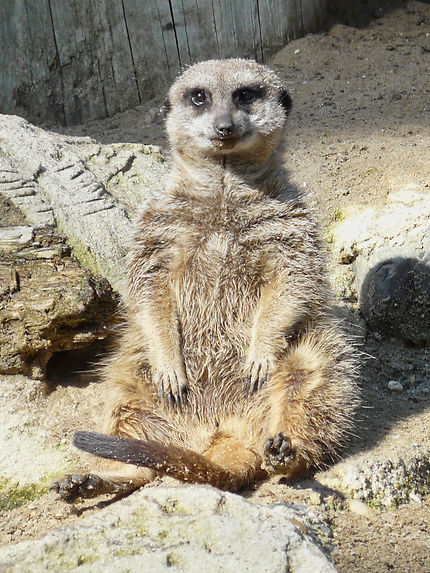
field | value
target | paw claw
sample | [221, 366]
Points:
[284, 447]
[257, 373]
[278, 441]
[172, 387]
[279, 452]
[268, 445]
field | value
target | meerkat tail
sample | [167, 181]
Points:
[177, 462]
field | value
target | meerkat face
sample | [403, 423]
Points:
[224, 107]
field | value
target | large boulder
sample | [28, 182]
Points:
[394, 293]
[185, 529]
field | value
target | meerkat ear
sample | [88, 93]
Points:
[285, 100]
[166, 107]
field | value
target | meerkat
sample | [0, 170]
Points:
[231, 366]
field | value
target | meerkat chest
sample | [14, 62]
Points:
[218, 277]
[216, 249]
[217, 289]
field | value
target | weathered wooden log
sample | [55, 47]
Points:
[48, 303]
[70, 62]
[76, 198]
[45, 178]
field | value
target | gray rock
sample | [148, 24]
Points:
[384, 482]
[389, 248]
[394, 294]
[186, 529]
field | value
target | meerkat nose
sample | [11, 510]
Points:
[224, 126]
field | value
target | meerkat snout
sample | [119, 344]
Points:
[224, 126]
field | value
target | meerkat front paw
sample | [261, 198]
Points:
[257, 372]
[279, 453]
[75, 486]
[172, 386]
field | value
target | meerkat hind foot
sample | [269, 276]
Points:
[75, 486]
[279, 454]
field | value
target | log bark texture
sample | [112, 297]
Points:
[48, 303]
[43, 175]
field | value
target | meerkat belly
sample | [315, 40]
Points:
[217, 296]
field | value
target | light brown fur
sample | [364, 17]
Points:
[230, 360]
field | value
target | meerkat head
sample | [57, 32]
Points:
[231, 107]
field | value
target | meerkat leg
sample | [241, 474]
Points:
[72, 487]
[242, 463]
[311, 400]
[131, 415]
[127, 420]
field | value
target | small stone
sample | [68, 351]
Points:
[358, 507]
[415, 497]
[315, 498]
[395, 386]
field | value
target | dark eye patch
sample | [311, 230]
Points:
[248, 95]
[199, 98]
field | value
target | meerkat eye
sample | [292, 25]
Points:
[247, 95]
[199, 97]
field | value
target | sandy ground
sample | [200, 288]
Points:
[359, 129]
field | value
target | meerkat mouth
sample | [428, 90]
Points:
[225, 142]
[229, 141]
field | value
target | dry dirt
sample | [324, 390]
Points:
[359, 129]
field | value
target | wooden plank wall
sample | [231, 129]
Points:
[70, 61]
